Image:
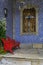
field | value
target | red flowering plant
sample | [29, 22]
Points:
[2, 31]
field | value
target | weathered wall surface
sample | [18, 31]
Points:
[9, 20]
[29, 38]
[7, 4]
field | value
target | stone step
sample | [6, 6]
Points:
[17, 61]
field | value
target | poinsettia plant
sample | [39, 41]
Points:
[2, 30]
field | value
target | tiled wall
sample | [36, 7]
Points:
[29, 38]
[17, 35]
[7, 4]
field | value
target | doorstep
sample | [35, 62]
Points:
[26, 52]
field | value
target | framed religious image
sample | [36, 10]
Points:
[29, 21]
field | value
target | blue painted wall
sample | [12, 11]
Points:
[29, 38]
[7, 4]
[9, 20]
